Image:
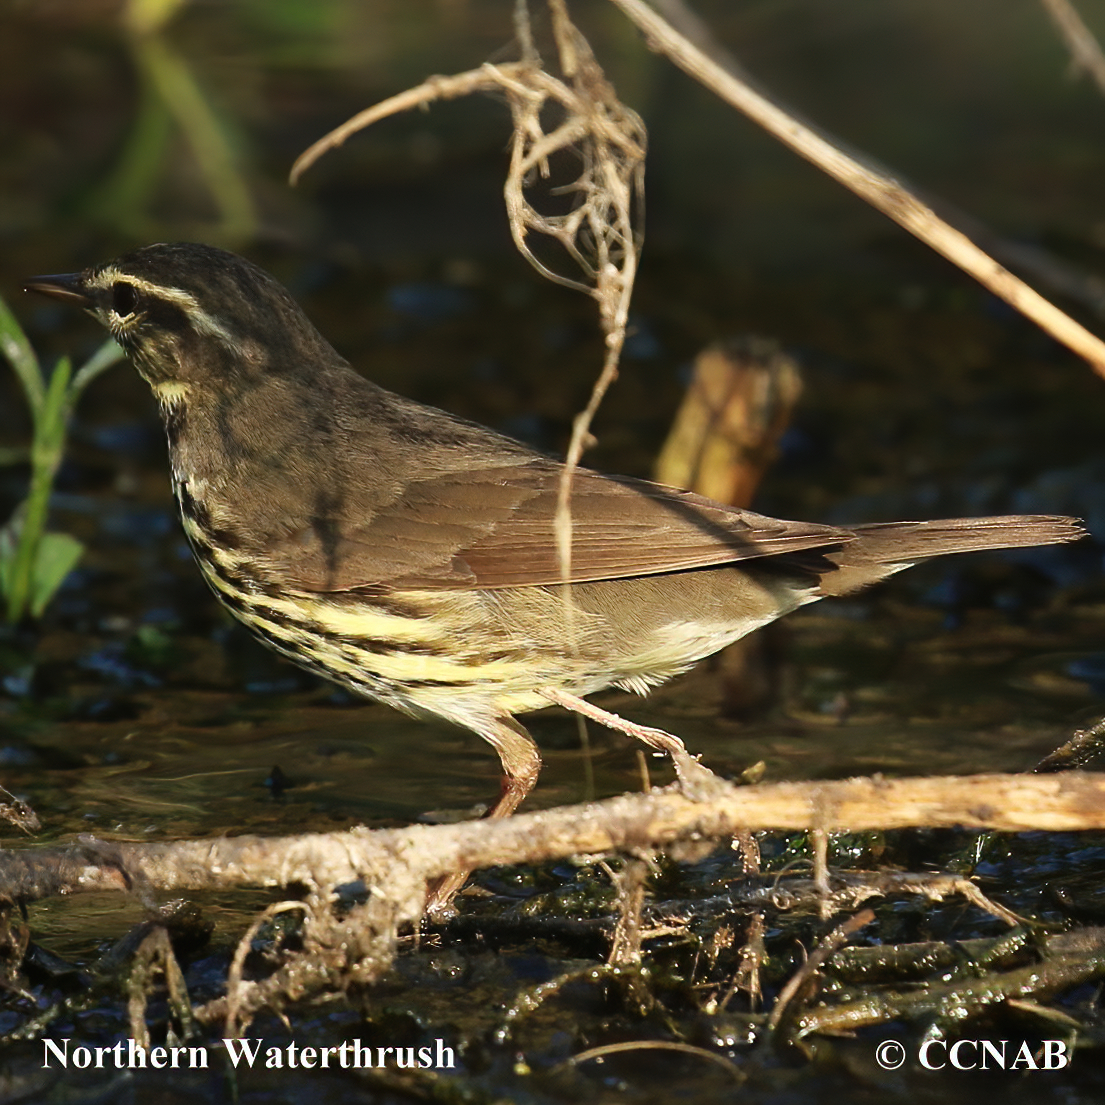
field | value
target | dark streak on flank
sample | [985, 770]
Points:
[225, 538]
[193, 510]
[323, 523]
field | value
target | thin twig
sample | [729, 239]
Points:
[658, 1045]
[235, 992]
[1085, 51]
[435, 88]
[837, 938]
[876, 187]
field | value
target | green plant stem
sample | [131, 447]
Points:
[46, 454]
[18, 351]
[169, 74]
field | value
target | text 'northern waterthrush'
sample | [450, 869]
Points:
[410, 555]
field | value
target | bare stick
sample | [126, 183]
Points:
[820, 841]
[836, 939]
[880, 190]
[434, 88]
[1085, 51]
[402, 859]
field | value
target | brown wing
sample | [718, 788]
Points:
[389, 493]
[492, 527]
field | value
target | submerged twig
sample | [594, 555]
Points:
[237, 991]
[629, 883]
[844, 890]
[953, 1001]
[835, 939]
[659, 1045]
[1084, 746]
[152, 957]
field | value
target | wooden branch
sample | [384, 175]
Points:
[866, 181]
[395, 862]
[1085, 51]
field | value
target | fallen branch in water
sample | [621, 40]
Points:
[391, 858]
[363, 888]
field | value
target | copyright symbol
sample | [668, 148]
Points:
[890, 1055]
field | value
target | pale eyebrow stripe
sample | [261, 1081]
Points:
[200, 319]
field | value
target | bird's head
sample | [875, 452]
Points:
[194, 317]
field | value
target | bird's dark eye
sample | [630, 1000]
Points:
[124, 299]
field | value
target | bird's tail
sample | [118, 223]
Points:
[883, 548]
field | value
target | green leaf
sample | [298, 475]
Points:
[10, 568]
[17, 349]
[58, 554]
[33, 564]
[50, 425]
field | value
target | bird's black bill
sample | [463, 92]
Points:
[66, 286]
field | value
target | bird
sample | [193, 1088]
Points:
[409, 555]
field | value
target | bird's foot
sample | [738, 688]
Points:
[696, 780]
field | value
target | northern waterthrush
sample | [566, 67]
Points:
[410, 555]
